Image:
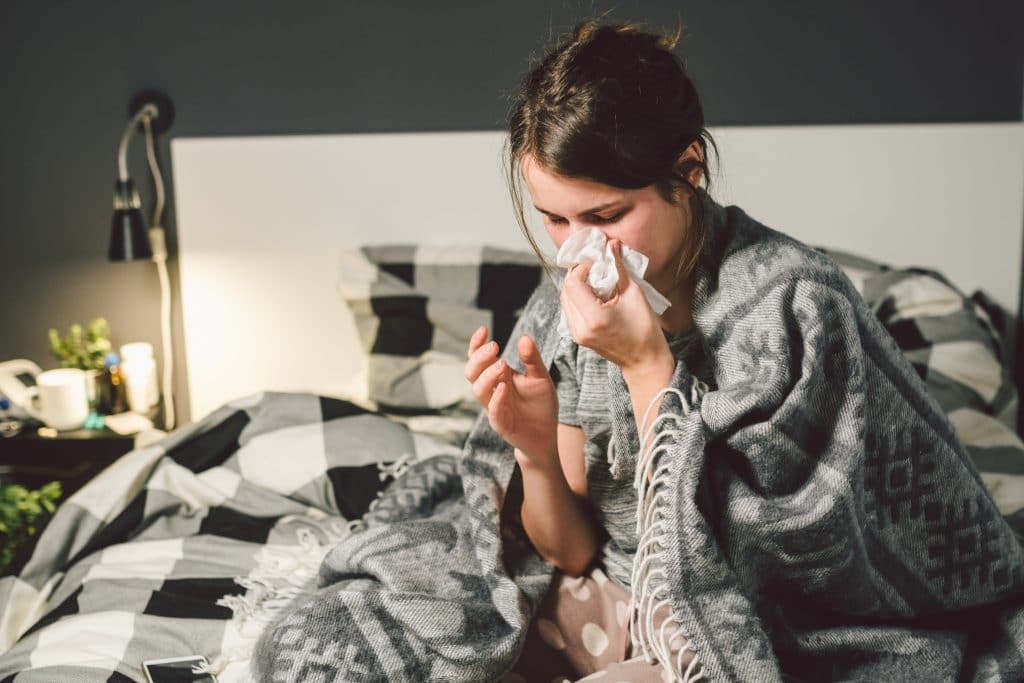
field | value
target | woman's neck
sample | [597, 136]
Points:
[678, 317]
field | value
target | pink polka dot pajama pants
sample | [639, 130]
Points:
[581, 633]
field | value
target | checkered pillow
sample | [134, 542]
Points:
[953, 344]
[416, 307]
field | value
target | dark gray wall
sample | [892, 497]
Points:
[68, 70]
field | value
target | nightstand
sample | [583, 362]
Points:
[71, 457]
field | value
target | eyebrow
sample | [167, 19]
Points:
[589, 212]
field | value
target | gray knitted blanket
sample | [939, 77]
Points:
[810, 516]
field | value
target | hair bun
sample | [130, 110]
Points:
[632, 35]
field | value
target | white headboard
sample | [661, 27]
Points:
[261, 221]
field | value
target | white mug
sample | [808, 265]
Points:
[62, 399]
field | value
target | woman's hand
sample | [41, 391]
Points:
[522, 407]
[624, 329]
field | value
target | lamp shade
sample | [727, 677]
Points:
[128, 237]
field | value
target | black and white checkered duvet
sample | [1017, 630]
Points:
[133, 566]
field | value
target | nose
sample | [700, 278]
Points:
[582, 225]
[570, 231]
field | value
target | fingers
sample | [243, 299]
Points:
[572, 314]
[579, 273]
[479, 359]
[496, 412]
[578, 291]
[484, 386]
[530, 354]
[477, 340]
[620, 266]
[480, 355]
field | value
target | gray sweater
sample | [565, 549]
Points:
[583, 386]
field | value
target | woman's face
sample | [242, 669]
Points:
[640, 218]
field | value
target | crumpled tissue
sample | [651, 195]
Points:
[590, 246]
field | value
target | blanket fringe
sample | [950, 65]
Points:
[397, 468]
[387, 469]
[648, 579]
[280, 574]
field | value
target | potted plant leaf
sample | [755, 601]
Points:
[23, 513]
[84, 349]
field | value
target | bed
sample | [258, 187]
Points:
[166, 552]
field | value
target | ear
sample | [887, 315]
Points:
[692, 152]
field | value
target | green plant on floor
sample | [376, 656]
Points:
[22, 513]
[84, 349]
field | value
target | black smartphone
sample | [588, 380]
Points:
[176, 670]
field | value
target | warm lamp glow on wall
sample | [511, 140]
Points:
[152, 112]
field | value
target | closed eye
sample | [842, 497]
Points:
[597, 219]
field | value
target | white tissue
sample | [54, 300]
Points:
[591, 246]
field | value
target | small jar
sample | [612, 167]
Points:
[111, 396]
[93, 380]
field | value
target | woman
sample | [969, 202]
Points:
[771, 405]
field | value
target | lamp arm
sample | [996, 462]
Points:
[165, 338]
[147, 111]
[158, 244]
[158, 180]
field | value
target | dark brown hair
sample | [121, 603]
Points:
[612, 103]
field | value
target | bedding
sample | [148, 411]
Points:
[142, 563]
[415, 308]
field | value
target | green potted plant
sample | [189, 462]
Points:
[22, 514]
[84, 349]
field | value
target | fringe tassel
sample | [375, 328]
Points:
[396, 468]
[282, 572]
[648, 579]
[280, 575]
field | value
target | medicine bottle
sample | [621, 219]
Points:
[111, 395]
